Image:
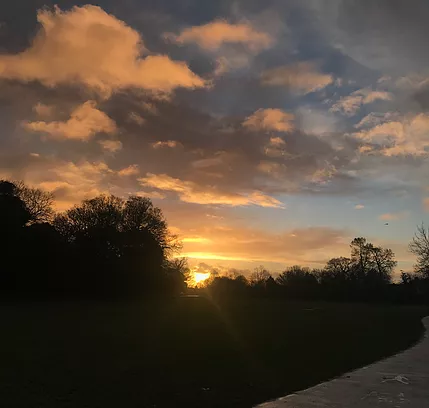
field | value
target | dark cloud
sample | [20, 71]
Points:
[388, 35]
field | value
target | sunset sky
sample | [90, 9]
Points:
[269, 132]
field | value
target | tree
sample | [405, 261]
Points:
[224, 287]
[298, 281]
[122, 245]
[339, 268]
[419, 246]
[14, 214]
[384, 261]
[33, 246]
[176, 273]
[368, 258]
[360, 255]
[94, 225]
[259, 277]
[38, 202]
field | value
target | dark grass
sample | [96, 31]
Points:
[187, 352]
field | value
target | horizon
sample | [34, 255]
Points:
[269, 134]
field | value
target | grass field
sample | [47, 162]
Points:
[187, 352]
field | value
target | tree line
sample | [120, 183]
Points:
[367, 275]
[113, 247]
[105, 246]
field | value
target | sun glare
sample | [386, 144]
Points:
[200, 277]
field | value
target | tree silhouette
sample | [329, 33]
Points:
[259, 277]
[298, 282]
[383, 261]
[39, 203]
[109, 246]
[419, 246]
[122, 245]
[14, 214]
[360, 256]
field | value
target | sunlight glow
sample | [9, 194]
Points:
[206, 255]
[196, 240]
[197, 279]
[201, 277]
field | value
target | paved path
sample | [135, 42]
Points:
[401, 381]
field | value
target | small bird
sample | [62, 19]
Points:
[386, 223]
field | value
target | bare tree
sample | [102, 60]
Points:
[419, 246]
[383, 260]
[360, 254]
[259, 277]
[38, 202]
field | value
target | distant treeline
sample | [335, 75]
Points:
[111, 247]
[365, 276]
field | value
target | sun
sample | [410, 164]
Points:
[200, 277]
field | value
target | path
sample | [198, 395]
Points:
[396, 382]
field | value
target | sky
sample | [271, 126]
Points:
[269, 132]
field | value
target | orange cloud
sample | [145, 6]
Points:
[129, 171]
[393, 216]
[349, 105]
[213, 35]
[85, 45]
[272, 168]
[196, 239]
[301, 77]
[43, 110]
[270, 119]
[85, 121]
[69, 181]
[168, 143]
[276, 147]
[150, 194]
[241, 243]
[191, 192]
[404, 136]
[323, 175]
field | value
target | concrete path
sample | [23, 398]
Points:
[396, 382]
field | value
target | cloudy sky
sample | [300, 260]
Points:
[270, 132]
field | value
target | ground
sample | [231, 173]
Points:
[189, 351]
